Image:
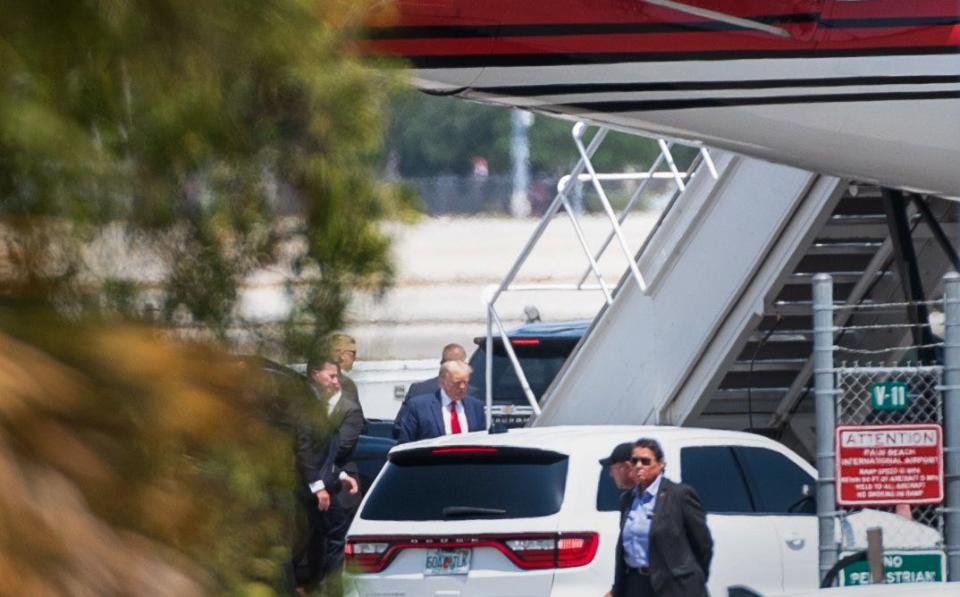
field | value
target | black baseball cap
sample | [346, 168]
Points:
[621, 453]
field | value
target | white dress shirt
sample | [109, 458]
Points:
[445, 401]
[332, 401]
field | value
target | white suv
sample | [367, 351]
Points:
[532, 512]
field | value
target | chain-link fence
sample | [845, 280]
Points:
[918, 527]
[888, 434]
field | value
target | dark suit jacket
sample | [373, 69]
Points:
[422, 418]
[348, 385]
[427, 386]
[316, 448]
[680, 544]
[347, 419]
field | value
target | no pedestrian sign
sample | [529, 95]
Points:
[899, 568]
[889, 464]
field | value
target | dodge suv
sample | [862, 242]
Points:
[531, 512]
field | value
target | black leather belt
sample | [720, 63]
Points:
[642, 570]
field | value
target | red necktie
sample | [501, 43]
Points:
[454, 419]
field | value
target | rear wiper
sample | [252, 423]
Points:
[456, 511]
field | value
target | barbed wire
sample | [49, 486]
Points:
[856, 367]
[885, 350]
[880, 326]
[846, 307]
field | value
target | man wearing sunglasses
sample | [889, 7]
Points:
[664, 549]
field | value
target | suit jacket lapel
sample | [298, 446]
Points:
[471, 418]
[662, 504]
[438, 412]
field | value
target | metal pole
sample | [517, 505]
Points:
[558, 201]
[673, 165]
[628, 255]
[627, 209]
[521, 377]
[951, 423]
[875, 554]
[520, 121]
[826, 417]
[586, 250]
[488, 366]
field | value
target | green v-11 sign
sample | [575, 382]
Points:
[890, 395]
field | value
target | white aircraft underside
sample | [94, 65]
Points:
[891, 120]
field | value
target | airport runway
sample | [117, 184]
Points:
[445, 264]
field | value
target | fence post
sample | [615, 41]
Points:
[951, 422]
[825, 396]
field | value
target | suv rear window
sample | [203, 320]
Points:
[540, 363]
[460, 483]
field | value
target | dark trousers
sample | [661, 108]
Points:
[309, 546]
[336, 523]
[636, 584]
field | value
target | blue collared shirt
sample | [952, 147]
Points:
[636, 528]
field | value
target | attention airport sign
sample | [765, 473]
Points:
[889, 464]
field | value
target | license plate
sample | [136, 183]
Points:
[511, 421]
[447, 561]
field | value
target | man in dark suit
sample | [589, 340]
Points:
[451, 352]
[321, 473]
[345, 416]
[448, 410]
[665, 548]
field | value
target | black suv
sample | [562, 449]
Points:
[541, 348]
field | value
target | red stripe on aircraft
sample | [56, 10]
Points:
[893, 37]
[524, 12]
[725, 41]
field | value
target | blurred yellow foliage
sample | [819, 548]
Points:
[135, 465]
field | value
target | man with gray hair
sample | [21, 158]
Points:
[446, 411]
[451, 352]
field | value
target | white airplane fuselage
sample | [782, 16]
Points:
[865, 89]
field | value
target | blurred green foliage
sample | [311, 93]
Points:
[193, 122]
[208, 140]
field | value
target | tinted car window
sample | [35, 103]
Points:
[777, 483]
[540, 364]
[714, 473]
[370, 456]
[454, 484]
[608, 494]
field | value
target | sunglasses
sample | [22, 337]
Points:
[642, 460]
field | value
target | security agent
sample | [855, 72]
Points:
[619, 466]
[665, 548]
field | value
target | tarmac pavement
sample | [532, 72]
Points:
[444, 266]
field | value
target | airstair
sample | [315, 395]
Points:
[711, 324]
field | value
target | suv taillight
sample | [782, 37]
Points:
[530, 551]
[365, 555]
